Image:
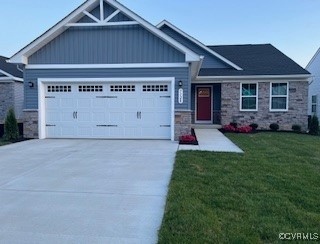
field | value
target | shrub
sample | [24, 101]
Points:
[11, 130]
[234, 124]
[245, 129]
[187, 138]
[229, 128]
[254, 126]
[296, 128]
[314, 125]
[274, 126]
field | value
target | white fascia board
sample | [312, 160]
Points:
[192, 39]
[208, 78]
[60, 27]
[21, 56]
[106, 66]
[190, 55]
[313, 58]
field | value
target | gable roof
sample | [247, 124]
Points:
[313, 58]
[201, 45]
[80, 12]
[9, 71]
[260, 59]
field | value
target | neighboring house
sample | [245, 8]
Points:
[11, 89]
[105, 72]
[314, 88]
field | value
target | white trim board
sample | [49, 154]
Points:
[313, 58]
[43, 81]
[9, 76]
[192, 39]
[106, 66]
[60, 27]
[261, 78]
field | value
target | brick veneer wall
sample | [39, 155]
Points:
[296, 114]
[182, 124]
[30, 124]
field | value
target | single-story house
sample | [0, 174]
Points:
[11, 90]
[314, 88]
[105, 72]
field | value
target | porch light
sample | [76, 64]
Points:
[180, 83]
[31, 84]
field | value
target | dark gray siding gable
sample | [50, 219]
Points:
[183, 74]
[209, 61]
[106, 45]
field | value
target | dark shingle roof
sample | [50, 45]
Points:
[261, 59]
[10, 68]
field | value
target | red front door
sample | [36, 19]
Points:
[204, 104]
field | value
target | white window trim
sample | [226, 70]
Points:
[43, 81]
[241, 96]
[271, 96]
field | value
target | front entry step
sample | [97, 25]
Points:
[206, 126]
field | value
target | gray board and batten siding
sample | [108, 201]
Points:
[183, 74]
[209, 61]
[107, 45]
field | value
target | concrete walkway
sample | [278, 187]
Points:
[212, 140]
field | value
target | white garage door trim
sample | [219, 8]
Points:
[43, 81]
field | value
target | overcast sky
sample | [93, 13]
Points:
[293, 26]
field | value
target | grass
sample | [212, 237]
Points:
[3, 142]
[231, 198]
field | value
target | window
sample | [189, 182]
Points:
[279, 97]
[155, 88]
[249, 97]
[59, 89]
[90, 88]
[122, 88]
[314, 104]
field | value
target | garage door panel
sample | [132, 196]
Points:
[115, 103]
[109, 111]
[67, 103]
[66, 116]
[115, 117]
[67, 130]
[99, 116]
[84, 103]
[52, 103]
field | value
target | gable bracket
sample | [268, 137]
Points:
[102, 21]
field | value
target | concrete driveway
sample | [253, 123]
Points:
[83, 191]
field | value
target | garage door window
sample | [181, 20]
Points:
[122, 88]
[90, 88]
[59, 89]
[155, 88]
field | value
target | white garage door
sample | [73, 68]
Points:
[115, 111]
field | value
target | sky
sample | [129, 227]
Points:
[290, 25]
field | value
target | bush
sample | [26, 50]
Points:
[296, 128]
[254, 126]
[11, 130]
[314, 125]
[274, 127]
[229, 128]
[234, 124]
[245, 129]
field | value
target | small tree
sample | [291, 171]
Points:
[11, 130]
[314, 125]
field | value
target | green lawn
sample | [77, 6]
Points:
[232, 198]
